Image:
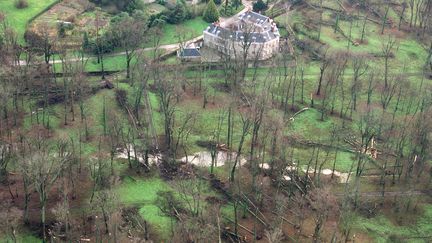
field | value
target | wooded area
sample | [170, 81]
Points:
[328, 141]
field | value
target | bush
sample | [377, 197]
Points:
[61, 29]
[259, 6]
[134, 5]
[395, 239]
[106, 44]
[211, 13]
[178, 14]
[20, 4]
[157, 19]
[121, 5]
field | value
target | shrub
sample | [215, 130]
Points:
[61, 28]
[259, 6]
[86, 45]
[134, 5]
[157, 19]
[178, 14]
[236, 3]
[211, 13]
[20, 4]
[121, 5]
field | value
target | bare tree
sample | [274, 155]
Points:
[183, 130]
[387, 51]
[44, 169]
[168, 93]
[106, 203]
[25, 170]
[11, 218]
[384, 18]
[333, 78]
[100, 43]
[360, 68]
[323, 203]
[388, 91]
[324, 65]
[62, 214]
[42, 42]
[216, 140]
[246, 124]
[129, 32]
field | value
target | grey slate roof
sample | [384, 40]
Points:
[254, 17]
[261, 34]
[189, 52]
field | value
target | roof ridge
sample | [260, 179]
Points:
[267, 17]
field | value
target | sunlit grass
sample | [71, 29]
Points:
[18, 18]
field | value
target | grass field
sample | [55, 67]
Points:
[383, 230]
[188, 29]
[18, 18]
[143, 192]
[22, 238]
[112, 61]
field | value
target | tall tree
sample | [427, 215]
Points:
[45, 168]
[129, 33]
[387, 51]
[168, 92]
[211, 13]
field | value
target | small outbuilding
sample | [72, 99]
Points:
[189, 54]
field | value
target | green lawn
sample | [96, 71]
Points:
[188, 29]
[381, 228]
[309, 126]
[112, 61]
[159, 222]
[18, 18]
[21, 238]
[143, 192]
[134, 190]
[343, 163]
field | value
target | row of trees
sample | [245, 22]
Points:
[175, 13]
[121, 5]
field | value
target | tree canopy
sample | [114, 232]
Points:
[121, 5]
[259, 5]
[211, 13]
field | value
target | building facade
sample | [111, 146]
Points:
[251, 35]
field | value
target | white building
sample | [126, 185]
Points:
[253, 33]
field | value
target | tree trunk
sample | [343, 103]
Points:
[43, 219]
